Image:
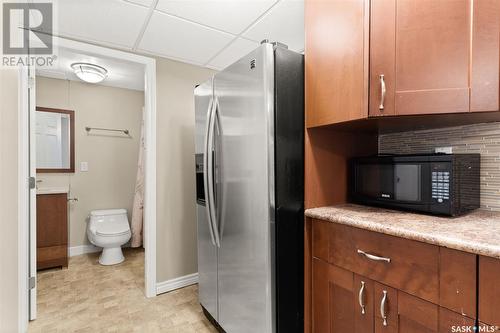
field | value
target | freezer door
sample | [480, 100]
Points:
[207, 251]
[244, 108]
[207, 265]
[202, 99]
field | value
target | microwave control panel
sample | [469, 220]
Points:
[440, 185]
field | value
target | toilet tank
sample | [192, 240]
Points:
[105, 215]
[107, 212]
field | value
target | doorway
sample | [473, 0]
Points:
[28, 156]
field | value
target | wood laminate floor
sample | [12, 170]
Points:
[88, 297]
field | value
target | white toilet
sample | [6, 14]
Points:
[109, 229]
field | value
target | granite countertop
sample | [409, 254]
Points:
[477, 232]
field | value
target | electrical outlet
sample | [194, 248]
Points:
[444, 150]
[84, 166]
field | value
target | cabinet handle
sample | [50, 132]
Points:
[361, 297]
[383, 91]
[374, 257]
[382, 307]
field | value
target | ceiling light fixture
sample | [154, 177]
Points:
[89, 72]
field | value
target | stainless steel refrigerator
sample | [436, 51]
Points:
[250, 169]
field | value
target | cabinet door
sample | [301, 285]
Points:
[450, 322]
[336, 60]
[333, 298]
[485, 75]
[489, 290]
[52, 216]
[416, 315]
[422, 49]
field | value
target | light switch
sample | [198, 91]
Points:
[84, 166]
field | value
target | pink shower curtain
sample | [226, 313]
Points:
[138, 208]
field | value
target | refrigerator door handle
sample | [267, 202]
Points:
[210, 174]
[206, 171]
[219, 205]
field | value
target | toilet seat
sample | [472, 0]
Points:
[112, 228]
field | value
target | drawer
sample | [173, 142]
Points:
[413, 266]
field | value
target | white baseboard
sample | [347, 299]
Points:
[180, 282]
[82, 249]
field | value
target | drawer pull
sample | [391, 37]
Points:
[383, 313]
[374, 257]
[361, 297]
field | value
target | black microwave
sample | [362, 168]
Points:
[442, 184]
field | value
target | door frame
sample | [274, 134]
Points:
[150, 165]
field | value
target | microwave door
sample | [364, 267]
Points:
[375, 181]
[408, 182]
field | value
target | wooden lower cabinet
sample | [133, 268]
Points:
[422, 289]
[346, 302]
[52, 230]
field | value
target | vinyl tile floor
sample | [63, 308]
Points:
[88, 297]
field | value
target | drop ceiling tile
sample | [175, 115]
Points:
[233, 52]
[284, 23]
[185, 41]
[111, 21]
[146, 3]
[232, 16]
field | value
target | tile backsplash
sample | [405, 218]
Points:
[477, 138]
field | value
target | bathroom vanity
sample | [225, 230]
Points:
[52, 228]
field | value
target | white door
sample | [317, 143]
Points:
[32, 194]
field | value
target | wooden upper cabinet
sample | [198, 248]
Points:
[400, 57]
[422, 49]
[336, 60]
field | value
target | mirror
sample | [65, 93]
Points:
[55, 140]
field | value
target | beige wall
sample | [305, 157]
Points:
[112, 158]
[8, 201]
[176, 212]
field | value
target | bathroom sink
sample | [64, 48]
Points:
[52, 190]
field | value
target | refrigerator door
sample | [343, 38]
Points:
[207, 251]
[245, 148]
